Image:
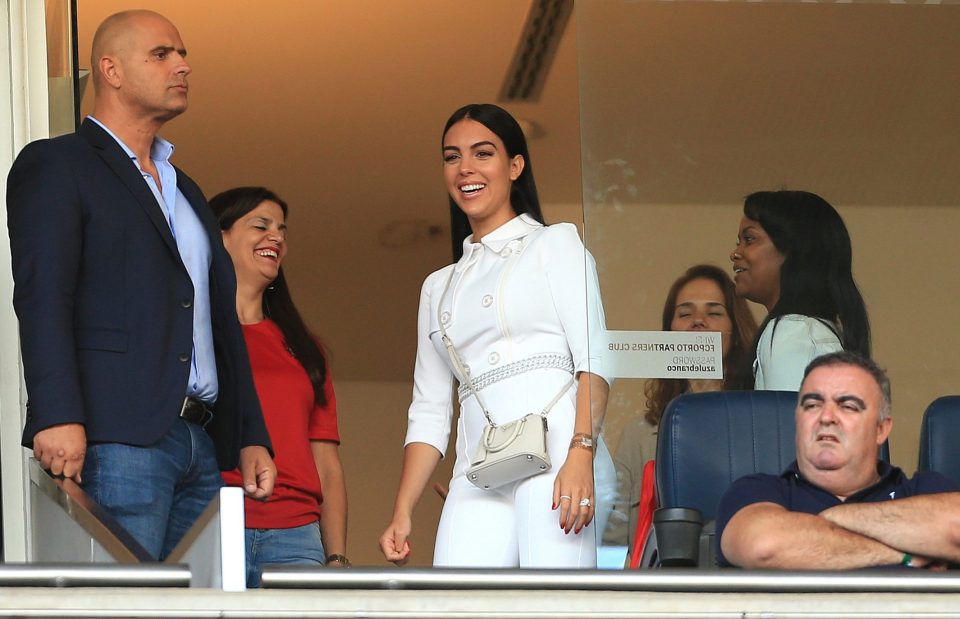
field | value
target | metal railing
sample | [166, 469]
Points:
[214, 546]
[86, 575]
[69, 526]
[72, 530]
[665, 580]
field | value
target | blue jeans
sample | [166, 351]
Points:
[157, 492]
[296, 546]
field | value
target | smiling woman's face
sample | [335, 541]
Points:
[257, 244]
[479, 175]
[756, 264]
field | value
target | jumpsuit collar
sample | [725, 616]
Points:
[517, 228]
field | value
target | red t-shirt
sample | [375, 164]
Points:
[293, 420]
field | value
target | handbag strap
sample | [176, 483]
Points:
[462, 371]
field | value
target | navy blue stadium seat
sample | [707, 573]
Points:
[939, 436]
[709, 440]
[706, 442]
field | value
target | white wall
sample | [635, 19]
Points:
[373, 423]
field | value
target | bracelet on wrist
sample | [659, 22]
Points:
[582, 444]
[584, 440]
[338, 558]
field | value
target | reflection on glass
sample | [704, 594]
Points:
[60, 70]
[702, 299]
[688, 107]
[793, 257]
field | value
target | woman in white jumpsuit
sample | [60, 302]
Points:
[522, 307]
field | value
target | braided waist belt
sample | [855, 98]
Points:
[547, 361]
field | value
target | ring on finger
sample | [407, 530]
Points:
[585, 502]
[563, 496]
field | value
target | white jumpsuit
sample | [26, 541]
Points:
[523, 310]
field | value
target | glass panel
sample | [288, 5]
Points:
[61, 53]
[687, 107]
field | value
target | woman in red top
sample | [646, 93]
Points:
[296, 394]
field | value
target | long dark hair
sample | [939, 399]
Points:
[523, 192]
[816, 278]
[737, 363]
[231, 205]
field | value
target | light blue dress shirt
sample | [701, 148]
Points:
[194, 248]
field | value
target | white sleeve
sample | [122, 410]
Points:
[430, 416]
[575, 288]
[784, 352]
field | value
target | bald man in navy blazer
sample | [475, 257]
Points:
[137, 374]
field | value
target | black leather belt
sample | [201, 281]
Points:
[196, 411]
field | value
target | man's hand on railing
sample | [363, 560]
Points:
[258, 471]
[61, 449]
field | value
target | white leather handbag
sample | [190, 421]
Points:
[510, 452]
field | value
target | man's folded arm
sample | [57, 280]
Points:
[927, 525]
[768, 536]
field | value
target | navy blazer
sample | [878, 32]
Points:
[105, 302]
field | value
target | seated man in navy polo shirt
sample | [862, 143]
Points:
[838, 506]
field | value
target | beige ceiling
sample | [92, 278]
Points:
[338, 104]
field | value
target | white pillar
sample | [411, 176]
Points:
[23, 118]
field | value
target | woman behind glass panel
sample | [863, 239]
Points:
[793, 256]
[296, 394]
[516, 309]
[702, 299]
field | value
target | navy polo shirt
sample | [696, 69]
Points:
[793, 492]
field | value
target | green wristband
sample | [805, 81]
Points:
[907, 560]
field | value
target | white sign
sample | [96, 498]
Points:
[663, 354]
